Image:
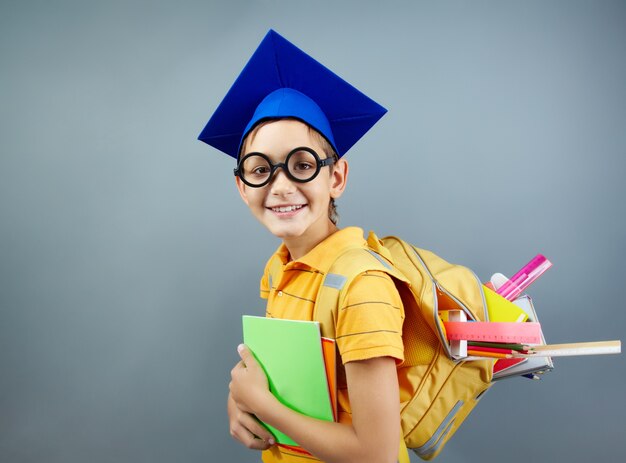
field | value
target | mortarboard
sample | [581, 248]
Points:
[280, 80]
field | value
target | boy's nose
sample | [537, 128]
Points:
[281, 184]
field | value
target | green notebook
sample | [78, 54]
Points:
[290, 352]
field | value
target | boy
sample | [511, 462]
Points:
[288, 121]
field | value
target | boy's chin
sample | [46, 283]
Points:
[290, 231]
[285, 233]
[296, 228]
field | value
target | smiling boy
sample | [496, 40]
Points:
[288, 121]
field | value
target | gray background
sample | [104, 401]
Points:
[127, 257]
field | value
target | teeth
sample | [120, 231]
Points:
[286, 208]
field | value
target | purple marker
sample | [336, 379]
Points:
[522, 279]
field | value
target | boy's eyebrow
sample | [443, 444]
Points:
[272, 155]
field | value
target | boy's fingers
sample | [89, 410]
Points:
[257, 429]
[249, 440]
[245, 354]
[251, 434]
[245, 428]
[257, 444]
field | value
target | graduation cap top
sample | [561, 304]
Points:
[280, 80]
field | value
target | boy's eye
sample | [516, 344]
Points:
[256, 166]
[303, 166]
[261, 170]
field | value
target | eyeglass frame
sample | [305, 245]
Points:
[284, 165]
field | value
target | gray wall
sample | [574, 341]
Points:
[127, 257]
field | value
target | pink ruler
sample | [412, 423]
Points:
[509, 332]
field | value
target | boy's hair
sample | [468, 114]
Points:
[328, 149]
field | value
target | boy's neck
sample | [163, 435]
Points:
[301, 245]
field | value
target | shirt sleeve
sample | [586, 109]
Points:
[369, 321]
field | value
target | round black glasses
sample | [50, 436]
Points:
[301, 165]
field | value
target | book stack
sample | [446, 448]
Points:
[300, 366]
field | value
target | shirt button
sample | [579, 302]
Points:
[280, 293]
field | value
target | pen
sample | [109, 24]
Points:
[522, 279]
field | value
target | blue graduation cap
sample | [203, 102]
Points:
[280, 80]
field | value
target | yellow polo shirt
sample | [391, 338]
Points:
[368, 325]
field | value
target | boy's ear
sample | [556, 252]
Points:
[241, 187]
[339, 178]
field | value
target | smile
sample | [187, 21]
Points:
[286, 208]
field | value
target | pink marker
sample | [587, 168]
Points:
[522, 279]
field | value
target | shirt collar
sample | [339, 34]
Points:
[322, 256]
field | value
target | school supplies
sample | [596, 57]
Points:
[522, 279]
[487, 354]
[531, 368]
[495, 350]
[502, 310]
[291, 355]
[576, 348]
[500, 345]
[329, 350]
[508, 332]
[535, 358]
[458, 347]
[494, 338]
[508, 368]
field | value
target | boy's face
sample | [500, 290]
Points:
[296, 212]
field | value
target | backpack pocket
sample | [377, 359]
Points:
[446, 395]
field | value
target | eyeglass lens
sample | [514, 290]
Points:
[301, 166]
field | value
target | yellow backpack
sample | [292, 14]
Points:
[436, 392]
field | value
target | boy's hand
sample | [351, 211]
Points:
[249, 390]
[246, 429]
[249, 387]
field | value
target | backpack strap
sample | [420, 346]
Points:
[348, 265]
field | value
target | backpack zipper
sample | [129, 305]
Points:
[438, 437]
[438, 286]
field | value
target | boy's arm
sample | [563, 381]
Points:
[374, 435]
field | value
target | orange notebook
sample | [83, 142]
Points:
[329, 351]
